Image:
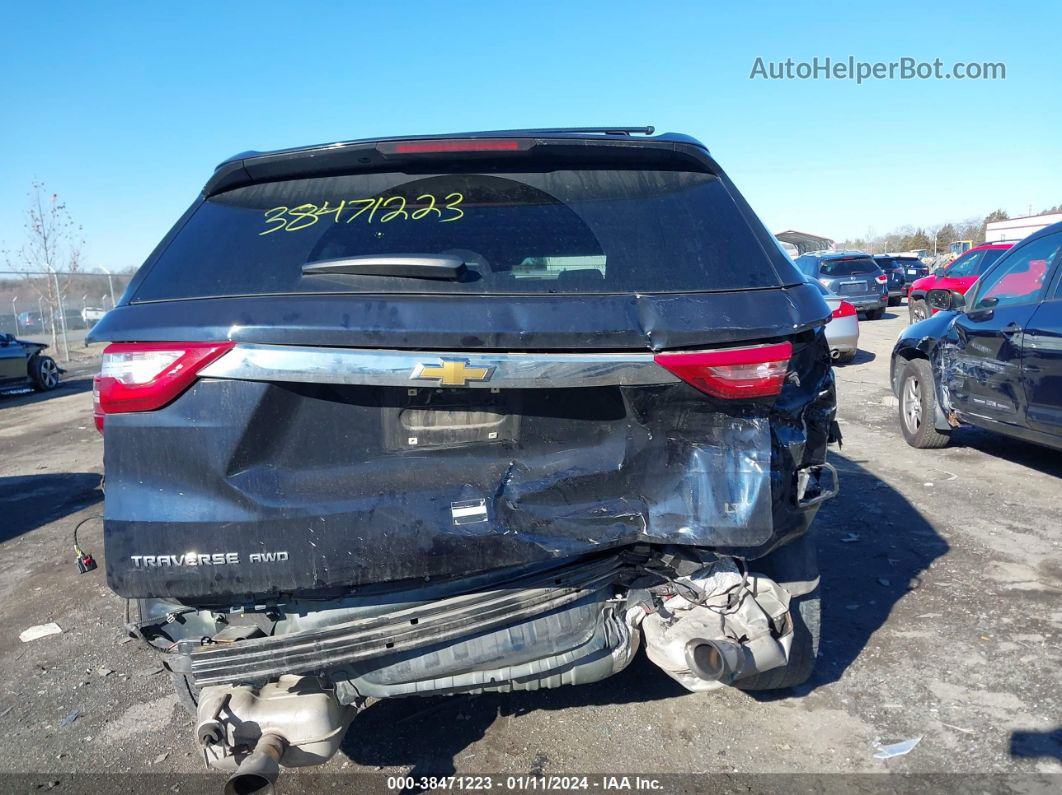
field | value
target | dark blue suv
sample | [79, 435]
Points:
[455, 414]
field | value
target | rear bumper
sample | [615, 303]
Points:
[865, 302]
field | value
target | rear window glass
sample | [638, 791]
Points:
[567, 231]
[897, 262]
[846, 267]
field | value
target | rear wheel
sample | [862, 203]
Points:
[44, 373]
[806, 612]
[917, 310]
[845, 358]
[918, 406]
[875, 314]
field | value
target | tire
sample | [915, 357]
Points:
[918, 404]
[875, 314]
[807, 622]
[845, 358]
[44, 373]
[917, 310]
[187, 693]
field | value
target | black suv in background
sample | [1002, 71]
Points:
[992, 357]
[458, 414]
[853, 275]
[902, 272]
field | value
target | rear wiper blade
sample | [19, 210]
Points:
[409, 266]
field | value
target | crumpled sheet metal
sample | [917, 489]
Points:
[608, 467]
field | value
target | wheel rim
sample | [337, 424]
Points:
[912, 404]
[919, 313]
[49, 373]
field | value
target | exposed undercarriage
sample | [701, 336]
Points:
[278, 684]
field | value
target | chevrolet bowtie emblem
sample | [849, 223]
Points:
[451, 372]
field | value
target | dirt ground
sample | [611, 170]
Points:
[942, 619]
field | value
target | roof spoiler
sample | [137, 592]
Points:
[555, 148]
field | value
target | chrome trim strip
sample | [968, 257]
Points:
[362, 366]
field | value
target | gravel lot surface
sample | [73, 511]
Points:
[942, 619]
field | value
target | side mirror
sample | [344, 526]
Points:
[939, 273]
[945, 300]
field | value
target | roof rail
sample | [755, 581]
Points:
[648, 130]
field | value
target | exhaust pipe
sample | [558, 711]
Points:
[835, 354]
[257, 774]
[715, 660]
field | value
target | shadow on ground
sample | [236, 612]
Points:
[1036, 744]
[980, 442]
[32, 501]
[861, 357]
[873, 547]
[24, 396]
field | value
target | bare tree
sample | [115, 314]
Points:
[53, 243]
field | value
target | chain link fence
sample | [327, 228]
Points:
[57, 308]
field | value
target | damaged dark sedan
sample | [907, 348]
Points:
[23, 364]
[990, 357]
[464, 413]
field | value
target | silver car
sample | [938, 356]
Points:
[842, 332]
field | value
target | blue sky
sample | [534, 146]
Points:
[124, 109]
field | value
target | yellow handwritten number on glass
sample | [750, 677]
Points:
[304, 215]
[451, 204]
[423, 211]
[401, 211]
[275, 215]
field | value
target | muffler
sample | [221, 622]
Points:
[835, 354]
[740, 627]
[254, 731]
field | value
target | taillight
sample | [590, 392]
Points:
[881, 278]
[845, 310]
[757, 371]
[144, 376]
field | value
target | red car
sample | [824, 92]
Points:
[959, 276]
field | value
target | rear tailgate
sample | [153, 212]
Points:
[374, 429]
